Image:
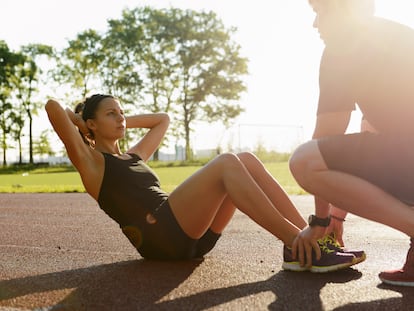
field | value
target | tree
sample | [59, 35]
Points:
[5, 126]
[188, 63]
[181, 62]
[27, 75]
[42, 145]
[16, 130]
[209, 66]
[79, 63]
[8, 64]
[120, 68]
[141, 37]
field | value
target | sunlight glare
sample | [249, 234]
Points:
[396, 10]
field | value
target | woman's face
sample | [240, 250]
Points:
[109, 121]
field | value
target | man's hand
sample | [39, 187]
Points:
[304, 243]
[337, 228]
[337, 223]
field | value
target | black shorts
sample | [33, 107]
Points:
[165, 239]
[386, 161]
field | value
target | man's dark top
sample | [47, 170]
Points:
[375, 69]
[129, 190]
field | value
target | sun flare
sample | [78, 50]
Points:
[397, 10]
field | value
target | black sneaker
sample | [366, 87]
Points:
[333, 244]
[330, 260]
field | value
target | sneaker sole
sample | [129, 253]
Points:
[397, 283]
[324, 269]
[360, 259]
[293, 266]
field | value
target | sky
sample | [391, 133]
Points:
[275, 35]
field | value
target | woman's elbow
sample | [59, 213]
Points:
[165, 118]
[51, 105]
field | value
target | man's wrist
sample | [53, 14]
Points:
[317, 221]
[337, 218]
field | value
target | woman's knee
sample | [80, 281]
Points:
[247, 157]
[228, 161]
[250, 161]
[227, 157]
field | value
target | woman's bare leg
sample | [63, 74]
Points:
[196, 202]
[223, 216]
[272, 189]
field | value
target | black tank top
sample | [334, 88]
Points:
[129, 190]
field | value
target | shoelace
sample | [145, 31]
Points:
[324, 248]
[329, 239]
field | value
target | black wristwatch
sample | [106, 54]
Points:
[321, 222]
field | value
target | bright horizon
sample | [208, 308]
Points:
[275, 35]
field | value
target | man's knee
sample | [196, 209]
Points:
[305, 160]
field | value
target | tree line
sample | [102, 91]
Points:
[182, 62]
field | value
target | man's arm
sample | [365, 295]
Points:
[333, 123]
[329, 124]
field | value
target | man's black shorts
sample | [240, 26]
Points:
[384, 160]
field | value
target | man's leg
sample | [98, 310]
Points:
[348, 192]
[356, 196]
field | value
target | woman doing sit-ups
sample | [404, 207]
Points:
[187, 222]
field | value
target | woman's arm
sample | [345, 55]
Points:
[157, 123]
[77, 121]
[87, 161]
[64, 125]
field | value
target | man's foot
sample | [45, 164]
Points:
[330, 260]
[333, 244]
[403, 276]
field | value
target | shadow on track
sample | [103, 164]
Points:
[141, 285]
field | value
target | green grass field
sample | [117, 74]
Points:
[69, 181]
